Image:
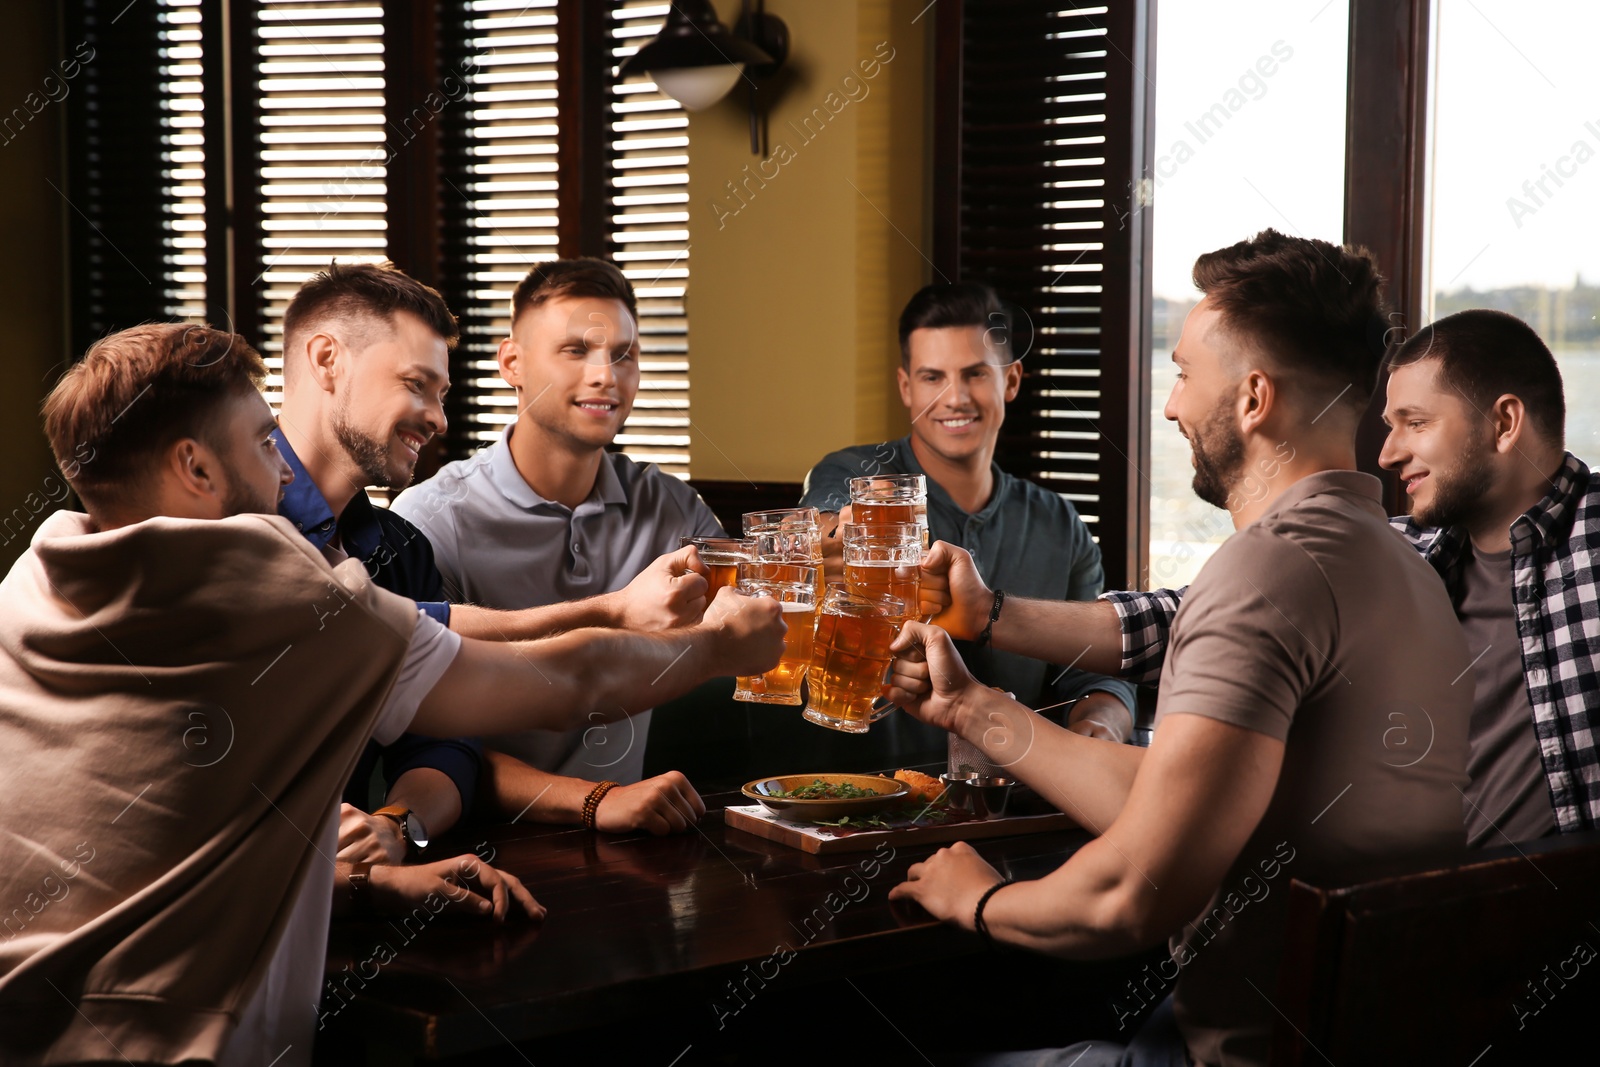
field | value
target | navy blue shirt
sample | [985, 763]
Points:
[400, 559]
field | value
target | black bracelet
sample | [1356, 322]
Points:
[994, 615]
[977, 916]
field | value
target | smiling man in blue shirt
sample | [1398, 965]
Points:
[366, 369]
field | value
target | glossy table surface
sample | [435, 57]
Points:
[708, 919]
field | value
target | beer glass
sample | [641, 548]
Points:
[720, 555]
[891, 498]
[850, 659]
[794, 588]
[787, 535]
[885, 559]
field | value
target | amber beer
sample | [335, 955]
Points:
[850, 659]
[794, 588]
[885, 559]
[787, 535]
[874, 579]
[890, 498]
[722, 556]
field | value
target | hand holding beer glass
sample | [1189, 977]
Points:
[794, 587]
[720, 555]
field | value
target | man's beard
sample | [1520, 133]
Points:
[1458, 494]
[1218, 455]
[241, 500]
[370, 455]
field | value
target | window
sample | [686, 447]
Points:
[285, 133]
[1514, 214]
[1249, 133]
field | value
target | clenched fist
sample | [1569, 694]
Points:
[669, 593]
[747, 632]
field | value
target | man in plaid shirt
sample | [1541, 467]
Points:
[1512, 524]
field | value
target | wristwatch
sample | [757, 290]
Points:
[412, 832]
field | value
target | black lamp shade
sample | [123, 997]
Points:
[692, 36]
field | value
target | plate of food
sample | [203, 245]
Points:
[826, 796]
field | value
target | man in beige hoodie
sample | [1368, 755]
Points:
[170, 902]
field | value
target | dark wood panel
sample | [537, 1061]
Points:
[635, 920]
[731, 499]
[1438, 966]
[411, 106]
[585, 70]
[1386, 172]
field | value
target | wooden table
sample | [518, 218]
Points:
[698, 928]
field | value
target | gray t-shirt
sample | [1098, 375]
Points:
[1319, 626]
[1507, 799]
[502, 545]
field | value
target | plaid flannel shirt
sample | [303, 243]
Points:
[1555, 561]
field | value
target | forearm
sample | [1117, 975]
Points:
[1090, 908]
[532, 624]
[1087, 778]
[431, 794]
[561, 683]
[515, 790]
[1084, 634]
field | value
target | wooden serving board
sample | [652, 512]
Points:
[825, 840]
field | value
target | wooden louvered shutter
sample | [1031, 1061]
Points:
[647, 233]
[549, 156]
[135, 165]
[1041, 131]
[318, 169]
[501, 191]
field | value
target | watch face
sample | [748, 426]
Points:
[416, 831]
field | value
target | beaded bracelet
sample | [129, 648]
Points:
[591, 803]
[978, 923]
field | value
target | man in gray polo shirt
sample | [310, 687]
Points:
[956, 376]
[547, 514]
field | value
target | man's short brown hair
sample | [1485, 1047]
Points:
[137, 391]
[353, 292]
[1483, 355]
[1312, 307]
[573, 277]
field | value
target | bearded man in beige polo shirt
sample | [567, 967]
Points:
[1312, 628]
[183, 896]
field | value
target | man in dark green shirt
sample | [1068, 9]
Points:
[956, 375]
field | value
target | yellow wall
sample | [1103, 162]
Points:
[33, 284]
[798, 271]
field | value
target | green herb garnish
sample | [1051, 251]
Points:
[820, 790]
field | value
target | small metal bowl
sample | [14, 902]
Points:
[976, 794]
